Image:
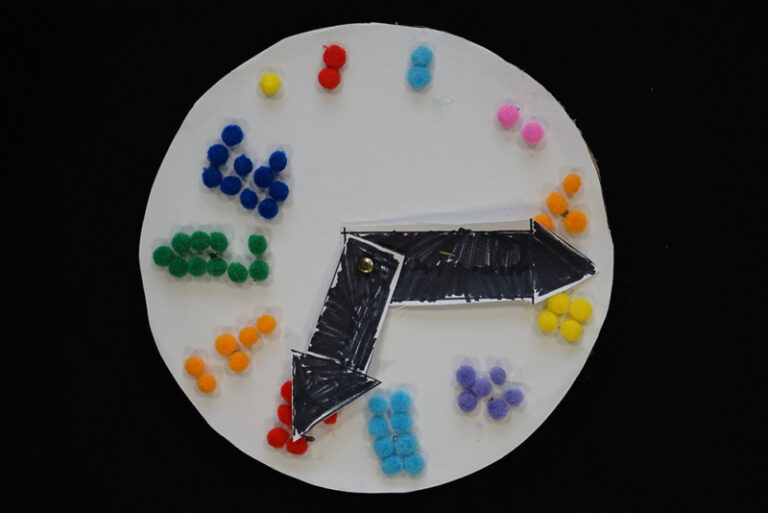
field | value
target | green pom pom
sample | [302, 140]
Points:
[200, 241]
[178, 267]
[197, 266]
[237, 272]
[181, 242]
[259, 270]
[218, 242]
[257, 244]
[217, 266]
[163, 256]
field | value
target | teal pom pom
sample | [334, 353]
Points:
[197, 266]
[237, 272]
[421, 56]
[414, 464]
[401, 422]
[181, 242]
[257, 244]
[384, 447]
[378, 427]
[377, 405]
[163, 256]
[259, 270]
[400, 401]
[391, 465]
[419, 77]
[406, 444]
[216, 266]
[178, 267]
[200, 241]
[219, 242]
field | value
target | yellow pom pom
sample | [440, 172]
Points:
[225, 344]
[238, 361]
[571, 184]
[545, 221]
[248, 336]
[557, 203]
[194, 366]
[581, 310]
[266, 324]
[575, 221]
[559, 303]
[269, 83]
[206, 383]
[571, 330]
[547, 321]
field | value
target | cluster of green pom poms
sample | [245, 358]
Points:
[182, 243]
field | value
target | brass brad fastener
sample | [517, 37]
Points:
[365, 265]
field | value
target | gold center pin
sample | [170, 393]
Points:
[365, 265]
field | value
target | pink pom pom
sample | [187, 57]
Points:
[508, 115]
[533, 133]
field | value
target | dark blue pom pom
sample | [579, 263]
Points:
[218, 154]
[211, 177]
[243, 165]
[278, 161]
[231, 185]
[263, 177]
[278, 191]
[268, 209]
[248, 199]
[232, 135]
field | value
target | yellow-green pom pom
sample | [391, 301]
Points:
[559, 303]
[269, 83]
[547, 321]
[581, 310]
[571, 330]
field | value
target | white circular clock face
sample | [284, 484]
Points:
[373, 151]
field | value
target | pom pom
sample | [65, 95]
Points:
[257, 244]
[243, 165]
[414, 464]
[497, 409]
[533, 133]
[269, 83]
[421, 56]
[571, 184]
[581, 310]
[263, 177]
[232, 135]
[401, 422]
[181, 243]
[384, 447]
[194, 366]
[482, 387]
[277, 161]
[218, 155]
[545, 221]
[266, 324]
[559, 303]
[225, 344]
[406, 444]
[298, 447]
[231, 185]
[571, 330]
[237, 272]
[547, 321]
[514, 396]
[285, 414]
[466, 376]
[575, 221]
[163, 256]
[332, 419]
[238, 361]
[197, 266]
[557, 203]
[377, 405]
[498, 376]
[391, 465]
[268, 208]
[400, 401]
[178, 267]
[286, 390]
[334, 56]
[329, 78]
[467, 401]
[377, 426]
[277, 437]
[219, 242]
[206, 383]
[200, 241]
[508, 115]
[216, 266]
[419, 77]
[259, 270]
[279, 191]
[248, 336]
[248, 199]
[211, 177]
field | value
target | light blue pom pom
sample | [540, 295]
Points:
[377, 405]
[419, 77]
[400, 401]
[378, 427]
[421, 56]
[401, 422]
[391, 465]
[384, 447]
[406, 444]
[414, 464]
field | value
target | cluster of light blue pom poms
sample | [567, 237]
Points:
[419, 75]
[397, 448]
[263, 177]
[476, 388]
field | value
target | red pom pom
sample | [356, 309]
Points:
[286, 390]
[277, 437]
[284, 414]
[298, 447]
[331, 419]
[329, 78]
[334, 56]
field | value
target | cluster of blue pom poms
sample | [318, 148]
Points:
[397, 448]
[418, 74]
[476, 388]
[263, 177]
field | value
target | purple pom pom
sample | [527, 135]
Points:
[467, 401]
[482, 387]
[498, 376]
[514, 396]
[466, 376]
[498, 409]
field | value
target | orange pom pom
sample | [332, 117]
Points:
[545, 221]
[575, 221]
[206, 383]
[248, 336]
[226, 344]
[194, 366]
[238, 361]
[266, 324]
[557, 203]
[571, 184]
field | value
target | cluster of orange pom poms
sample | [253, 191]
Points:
[575, 221]
[195, 367]
[226, 344]
[279, 437]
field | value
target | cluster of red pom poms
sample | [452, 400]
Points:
[334, 58]
[279, 436]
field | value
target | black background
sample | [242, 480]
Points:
[662, 416]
